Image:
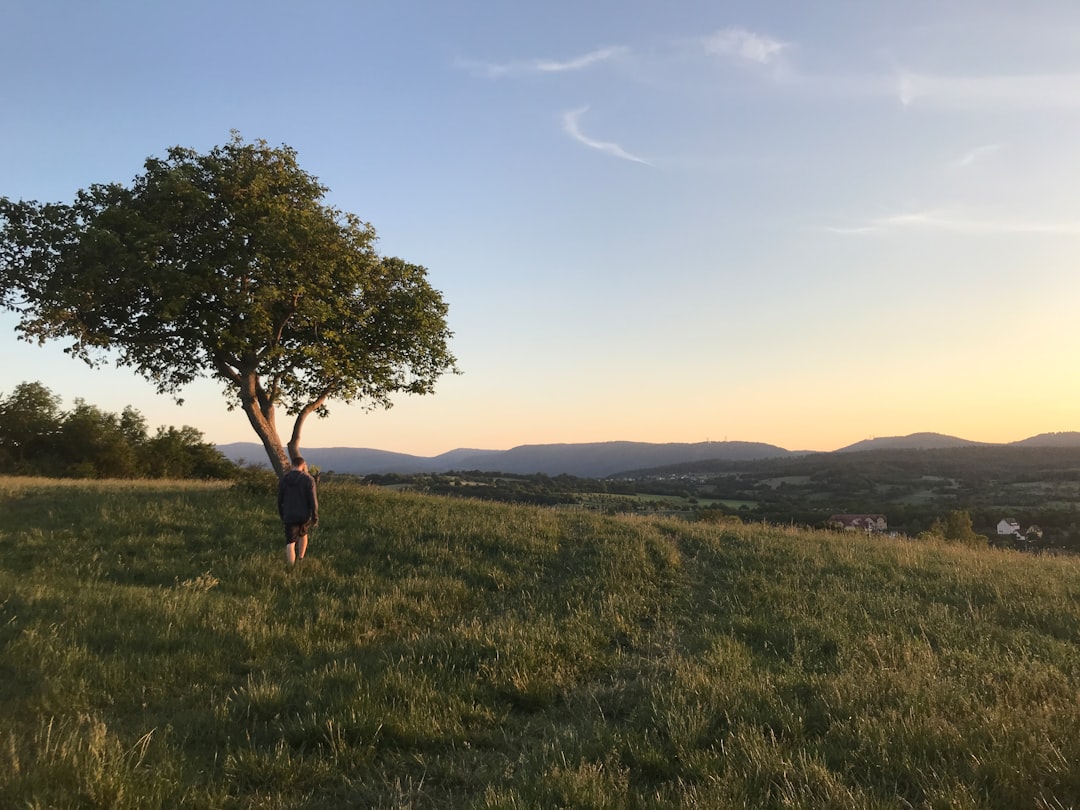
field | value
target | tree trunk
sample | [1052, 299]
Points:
[270, 441]
[261, 417]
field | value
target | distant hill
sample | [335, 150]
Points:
[603, 459]
[363, 461]
[597, 460]
[1066, 439]
[594, 460]
[915, 441]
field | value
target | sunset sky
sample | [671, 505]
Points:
[797, 223]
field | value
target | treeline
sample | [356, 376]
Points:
[537, 489]
[37, 437]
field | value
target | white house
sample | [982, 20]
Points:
[860, 523]
[1008, 526]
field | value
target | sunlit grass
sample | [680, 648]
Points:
[15, 483]
[431, 652]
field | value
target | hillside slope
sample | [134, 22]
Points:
[450, 653]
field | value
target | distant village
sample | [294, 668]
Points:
[877, 524]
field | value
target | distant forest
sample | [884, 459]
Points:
[38, 438]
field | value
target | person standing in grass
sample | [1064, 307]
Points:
[298, 506]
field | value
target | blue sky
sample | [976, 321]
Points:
[803, 224]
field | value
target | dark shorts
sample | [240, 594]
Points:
[294, 531]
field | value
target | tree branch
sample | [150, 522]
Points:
[301, 417]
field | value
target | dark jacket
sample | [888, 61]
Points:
[296, 498]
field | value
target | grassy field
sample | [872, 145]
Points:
[443, 653]
[606, 502]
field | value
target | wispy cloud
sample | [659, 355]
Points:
[495, 70]
[571, 123]
[584, 61]
[1047, 91]
[745, 46]
[976, 155]
[951, 222]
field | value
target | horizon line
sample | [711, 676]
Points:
[689, 444]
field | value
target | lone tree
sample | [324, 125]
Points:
[227, 265]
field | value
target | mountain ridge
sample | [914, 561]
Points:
[913, 441]
[601, 459]
[584, 460]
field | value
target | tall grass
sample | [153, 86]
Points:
[436, 653]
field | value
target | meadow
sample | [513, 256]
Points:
[448, 653]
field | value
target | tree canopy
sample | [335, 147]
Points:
[38, 438]
[957, 527]
[228, 265]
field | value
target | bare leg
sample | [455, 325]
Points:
[301, 546]
[290, 553]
